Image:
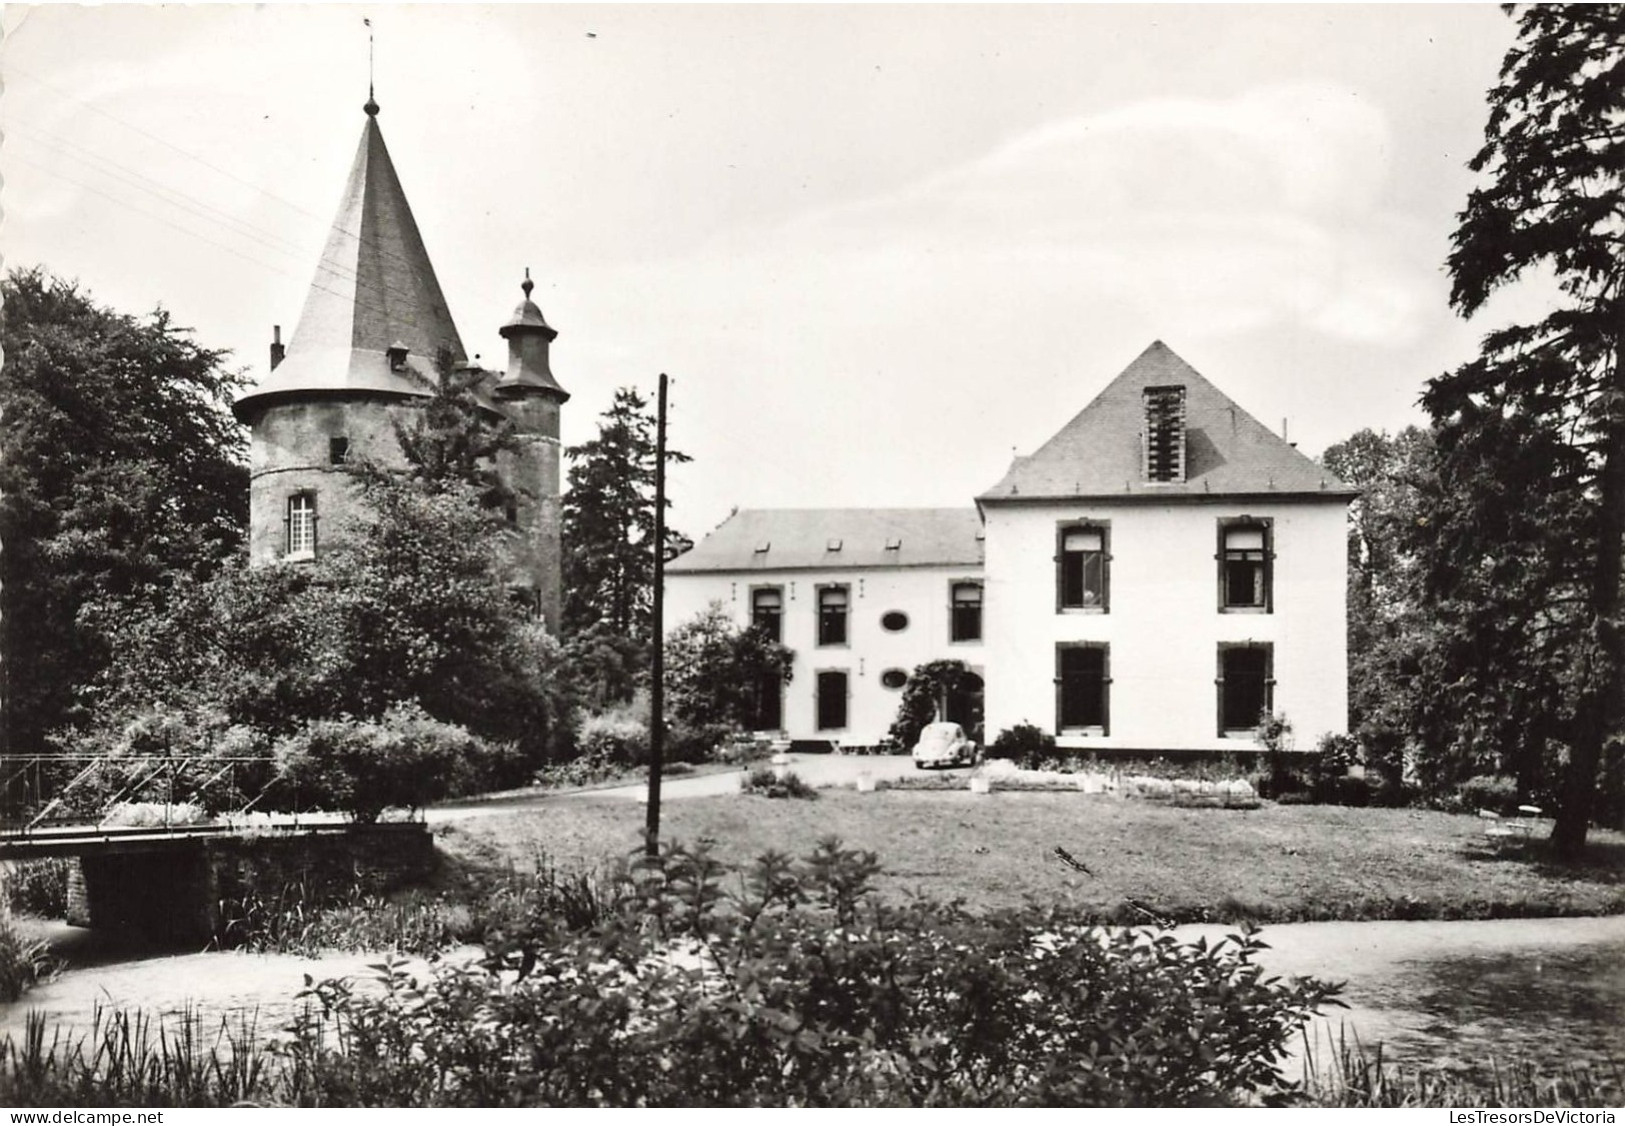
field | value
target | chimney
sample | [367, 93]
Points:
[1164, 434]
[277, 350]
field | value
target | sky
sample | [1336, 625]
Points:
[877, 248]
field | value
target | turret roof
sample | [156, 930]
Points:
[374, 288]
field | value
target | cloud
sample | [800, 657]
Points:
[1208, 217]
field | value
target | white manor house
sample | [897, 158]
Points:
[1152, 579]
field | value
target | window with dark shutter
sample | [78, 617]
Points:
[1082, 688]
[831, 703]
[1246, 686]
[965, 613]
[832, 610]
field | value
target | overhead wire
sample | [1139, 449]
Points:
[345, 274]
[360, 286]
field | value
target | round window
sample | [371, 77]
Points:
[893, 678]
[893, 621]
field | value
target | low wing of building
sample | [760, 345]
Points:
[862, 596]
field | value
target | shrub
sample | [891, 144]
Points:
[23, 961]
[764, 780]
[405, 759]
[690, 743]
[1494, 792]
[1024, 744]
[615, 738]
[39, 887]
[800, 990]
[586, 770]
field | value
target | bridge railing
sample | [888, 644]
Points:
[38, 790]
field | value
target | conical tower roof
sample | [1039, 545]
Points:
[374, 290]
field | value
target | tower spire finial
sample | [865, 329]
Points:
[527, 285]
[371, 107]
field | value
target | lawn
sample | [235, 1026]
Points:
[1272, 864]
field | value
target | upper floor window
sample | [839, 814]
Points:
[338, 450]
[965, 614]
[302, 526]
[832, 608]
[767, 610]
[1082, 565]
[1245, 565]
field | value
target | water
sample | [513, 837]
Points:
[1434, 993]
[1464, 994]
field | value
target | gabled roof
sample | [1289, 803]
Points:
[374, 288]
[802, 538]
[1098, 455]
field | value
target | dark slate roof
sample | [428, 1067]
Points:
[1098, 456]
[801, 538]
[374, 287]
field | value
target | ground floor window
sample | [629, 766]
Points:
[769, 702]
[962, 704]
[831, 701]
[1246, 685]
[1082, 688]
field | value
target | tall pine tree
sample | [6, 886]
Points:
[609, 522]
[1552, 202]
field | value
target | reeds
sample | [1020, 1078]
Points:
[1350, 1074]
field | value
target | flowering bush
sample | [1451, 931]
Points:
[403, 759]
[616, 737]
[1024, 744]
[802, 990]
[765, 780]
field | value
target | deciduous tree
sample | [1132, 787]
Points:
[121, 471]
[1388, 629]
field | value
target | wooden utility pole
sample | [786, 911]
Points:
[657, 688]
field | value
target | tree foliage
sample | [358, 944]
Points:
[609, 522]
[925, 697]
[1388, 632]
[457, 436]
[1532, 433]
[714, 671]
[412, 606]
[121, 473]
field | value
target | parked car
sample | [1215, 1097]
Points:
[944, 744]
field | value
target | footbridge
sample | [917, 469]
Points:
[178, 882]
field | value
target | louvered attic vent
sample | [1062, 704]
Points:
[1165, 434]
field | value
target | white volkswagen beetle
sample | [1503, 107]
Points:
[944, 744]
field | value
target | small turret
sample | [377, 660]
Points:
[529, 337]
[532, 399]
